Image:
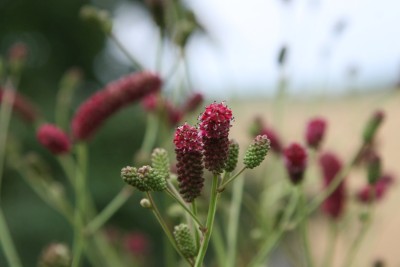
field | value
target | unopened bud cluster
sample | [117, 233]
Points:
[257, 151]
[144, 179]
[184, 240]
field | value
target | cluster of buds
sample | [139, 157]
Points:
[184, 240]
[256, 151]
[144, 179]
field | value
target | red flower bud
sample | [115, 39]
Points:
[334, 203]
[315, 132]
[116, 95]
[295, 159]
[375, 191]
[54, 139]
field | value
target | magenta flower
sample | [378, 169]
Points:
[116, 95]
[54, 139]
[315, 132]
[330, 166]
[295, 159]
[215, 123]
[21, 105]
[188, 149]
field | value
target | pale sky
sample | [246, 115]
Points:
[239, 55]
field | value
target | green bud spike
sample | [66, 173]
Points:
[257, 151]
[156, 181]
[233, 154]
[184, 240]
[372, 126]
[160, 162]
[131, 176]
[374, 169]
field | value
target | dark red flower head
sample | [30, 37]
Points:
[330, 167]
[189, 156]
[375, 191]
[116, 95]
[215, 121]
[295, 158]
[54, 139]
[315, 132]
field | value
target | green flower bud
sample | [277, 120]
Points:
[372, 126]
[233, 154]
[160, 162]
[184, 240]
[99, 16]
[155, 180]
[374, 169]
[257, 151]
[55, 255]
[131, 176]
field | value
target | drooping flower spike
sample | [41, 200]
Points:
[116, 95]
[53, 139]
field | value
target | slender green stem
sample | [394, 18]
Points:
[271, 242]
[233, 223]
[222, 187]
[134, 62]
[150, 133]
[8, 246]
[164, 226]
[210, 222]
[109, 210]
[366, 223]
[5, 117]
[218, 245]
[330, 249]
[68, 165]
[80, 191]
[304, 229]
[183, 205]
[196, 231]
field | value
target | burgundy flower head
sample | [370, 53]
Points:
[315, 132]
[188, 149]
[137, 244]
[21, 105]
[376, 191]
[54, 139]
[330, 167]
[116, 95]
[215, 121]
[295, 158]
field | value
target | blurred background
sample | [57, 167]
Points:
[284, 60]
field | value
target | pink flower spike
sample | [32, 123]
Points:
[315, 132]
[116, 95]
[54, 139]
[215, 121]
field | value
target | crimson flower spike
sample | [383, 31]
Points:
[215, 123]
[189, 155]
[116, 95]
[315, 132]
[334, 204]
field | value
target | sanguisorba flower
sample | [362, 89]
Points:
[116, 95]
[54, 139]
[375, 192]
[189, 156]
[295, 159]
[23, 107]
[215, 123]
[330, 166]
[315, 132]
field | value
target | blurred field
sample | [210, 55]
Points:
[346, 117]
